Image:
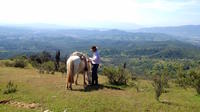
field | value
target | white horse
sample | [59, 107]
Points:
[78, 63]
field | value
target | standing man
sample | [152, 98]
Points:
[95, 64]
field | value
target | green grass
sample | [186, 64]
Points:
[50, 92]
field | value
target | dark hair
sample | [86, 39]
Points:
[94, 48]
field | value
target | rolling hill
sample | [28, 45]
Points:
[18, 40]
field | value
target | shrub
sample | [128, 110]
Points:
[35, 64]
[158, 87]
[189, 79]
[182, 78]
[45, 56]
[10, 88]
[48, 67]
[195, 80]
[21, 63]
[62, 68]
[116, 75]
[8, 63]
[37, 59]
[160, 79]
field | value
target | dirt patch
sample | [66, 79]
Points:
[4, 101]
[21, 104]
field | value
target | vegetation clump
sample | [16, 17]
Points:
[190, 78]
[8, 63]
[62, 68]
[158, 87]
[37, 59]
[21, 63]
[48, 67]
[195, 80]
[10, 88]
[160, 80]
[116, 75]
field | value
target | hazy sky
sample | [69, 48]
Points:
[86, 12]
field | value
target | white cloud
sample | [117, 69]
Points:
[168, 5]
[85, 11]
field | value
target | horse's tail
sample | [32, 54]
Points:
[70, 72]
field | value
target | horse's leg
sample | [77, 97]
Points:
[76, 82]
[84, 83]
[71, 78]
[67, 84]
[70, 85]
[67, 78]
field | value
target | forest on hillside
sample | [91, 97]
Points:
[139, 50]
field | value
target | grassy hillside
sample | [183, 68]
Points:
[49, 92]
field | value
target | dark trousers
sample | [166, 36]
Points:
[94, 74]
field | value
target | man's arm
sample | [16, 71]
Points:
[93, 58]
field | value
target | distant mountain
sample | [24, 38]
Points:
[114, 34]
[23, 40]
[191, 31]
[113, 25]
[38, 26]
[88, 26]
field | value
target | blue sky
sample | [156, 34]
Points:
[94, 12]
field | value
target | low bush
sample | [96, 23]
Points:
[10, 88]
[194, 79]
[116, 75]
[62, 68]
[21, 63]
[8, 63]
[182, 78]
[189, 78]
[48, 67]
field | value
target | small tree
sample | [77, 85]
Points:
[158, 87]
[160, 79]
